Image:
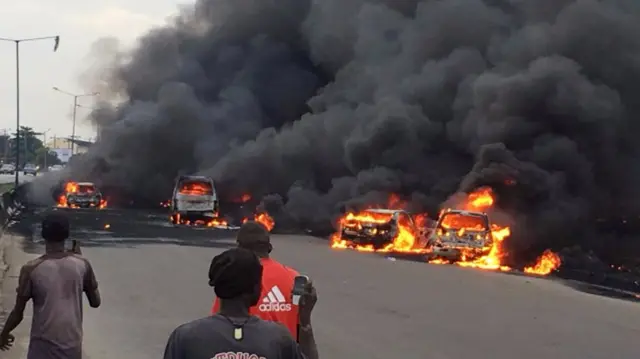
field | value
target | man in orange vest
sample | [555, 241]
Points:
[275, 302]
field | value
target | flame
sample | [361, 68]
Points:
[263, 218]
[480, 200]
[213, 222]
[107, 226]
[545, 264]
[244, 198]
[196, 189]
[405, 240]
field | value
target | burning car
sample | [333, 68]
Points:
[381, 228]
[194, 201]
[461, 234]
[81, 195]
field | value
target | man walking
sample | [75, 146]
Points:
[275, 302]
[55, 282]
[234, 333]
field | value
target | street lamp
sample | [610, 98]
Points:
[75, 107]
[56, 40]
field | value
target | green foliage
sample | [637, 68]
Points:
[32, 149]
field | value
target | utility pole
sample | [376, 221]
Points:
[75, 107]
[6, 145]
[17, 43]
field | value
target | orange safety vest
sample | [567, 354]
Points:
[275, 300]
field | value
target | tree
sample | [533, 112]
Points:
[45, 158]
[4, 147]
[32, 149]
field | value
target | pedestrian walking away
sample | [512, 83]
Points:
[275, 302]
[55, 283]
[236, 276]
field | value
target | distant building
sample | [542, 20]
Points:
[62, 147]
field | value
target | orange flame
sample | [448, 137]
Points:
[196, 189]
[214, 222]
[545, 264]
[405, 240]
[263, 218]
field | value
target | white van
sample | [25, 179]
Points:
[194, 200]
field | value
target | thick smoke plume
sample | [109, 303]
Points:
[319, 104]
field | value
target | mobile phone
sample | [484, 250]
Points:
[71, 245]
[299, 284]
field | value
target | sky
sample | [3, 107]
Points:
[79, 24]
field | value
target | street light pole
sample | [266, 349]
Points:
[75, 108]
[17, 43]
[73, 128]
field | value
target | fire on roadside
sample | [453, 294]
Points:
[405, 241]
[213, 222]
[72, 187]
[545, 264]
[263, 218]
[481, 200]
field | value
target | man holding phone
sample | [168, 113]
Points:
[276, 301]
[234, 332]
[55, 283]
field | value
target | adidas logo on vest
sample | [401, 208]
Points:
[274, 301]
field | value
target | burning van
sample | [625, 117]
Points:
[194, 201]
[461, 235]
[379, 228]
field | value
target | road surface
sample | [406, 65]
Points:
[5, 178]
[369, 306]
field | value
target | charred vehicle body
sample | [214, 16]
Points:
[378, 227]
[194, 201]
[461, 234]
[82, 195]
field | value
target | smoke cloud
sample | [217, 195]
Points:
[320, 104]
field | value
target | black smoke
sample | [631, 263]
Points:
[317, 104]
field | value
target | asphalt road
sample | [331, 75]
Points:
[369, 306]
[5, 178]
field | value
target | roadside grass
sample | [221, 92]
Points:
[6, 187]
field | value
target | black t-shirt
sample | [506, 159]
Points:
[213, 338]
